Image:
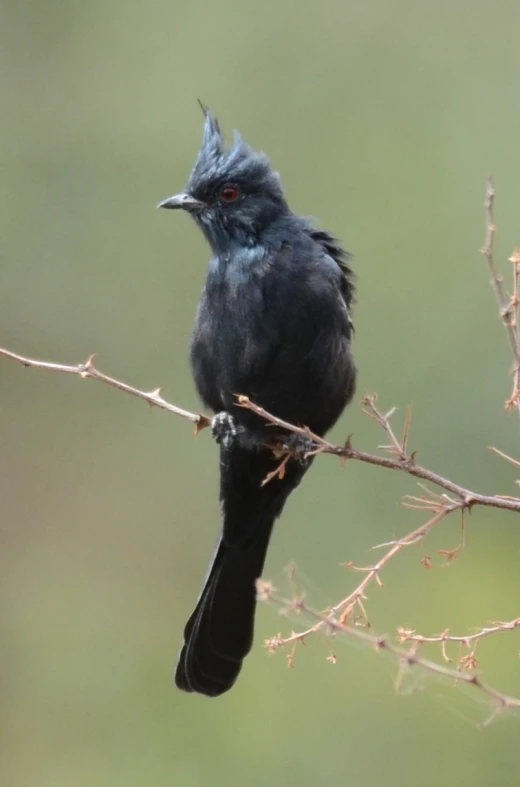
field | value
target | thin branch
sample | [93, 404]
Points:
[88, 370]
[407, 658]
[513, 309]
[488, 252]
[348, 605]
[508, 306]
[407, 464]
[468, 643]
[504, 456]
[404, 462]
[408, 635]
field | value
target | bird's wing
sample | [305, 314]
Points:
[332, 248]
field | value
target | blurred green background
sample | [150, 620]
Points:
[384, 119]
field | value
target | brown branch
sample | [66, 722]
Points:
[88, 370]
[348, 605]
[504, 456]
[408, 635]
[407, 658]
[406, 464]
[508, 306]
[467, 643]
[401, 461]
[441, 505]
[496, 278]
[513, 308]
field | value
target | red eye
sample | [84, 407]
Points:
[229, 193]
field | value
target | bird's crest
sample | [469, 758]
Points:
[233, 163]
[212, 140]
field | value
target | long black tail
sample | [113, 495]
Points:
[219, 633]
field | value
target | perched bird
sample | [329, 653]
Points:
[273, 323]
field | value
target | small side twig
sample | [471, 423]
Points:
[409, 635]
[467, 658]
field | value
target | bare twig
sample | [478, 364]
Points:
[406, 464]
[508, 306]
[407, 658]
[504, 456]
[488, 252]
[88, 370]
[348, 605]
[409, 635]
[468, 643]
[514, 400]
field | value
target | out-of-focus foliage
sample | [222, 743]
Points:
[383, 118]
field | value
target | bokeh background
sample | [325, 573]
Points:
[384, 118]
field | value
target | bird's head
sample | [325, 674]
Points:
[233, 194]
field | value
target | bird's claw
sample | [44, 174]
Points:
[224, 429]
[299, 447]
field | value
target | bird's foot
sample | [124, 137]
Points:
[225, 430]
[299, 447]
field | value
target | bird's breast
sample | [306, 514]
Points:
[280, 338]
[227, 347]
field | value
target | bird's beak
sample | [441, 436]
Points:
[181, 202]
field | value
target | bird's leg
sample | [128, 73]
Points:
[225, 430]
[299, 447]
[295, 447]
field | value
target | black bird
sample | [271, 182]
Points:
[273, 323]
